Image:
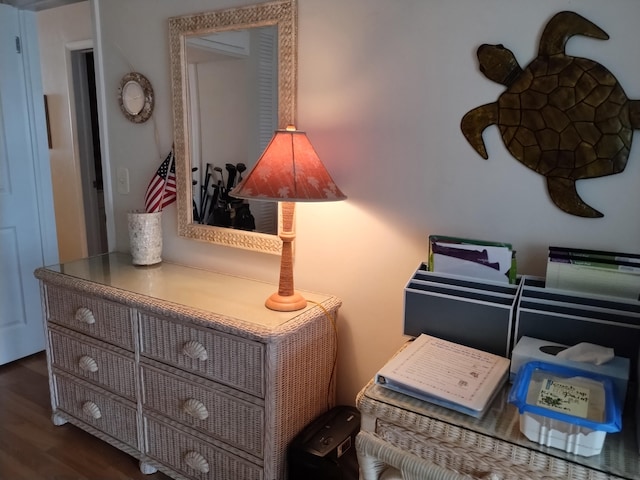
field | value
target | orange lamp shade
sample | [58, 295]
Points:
[289, 170]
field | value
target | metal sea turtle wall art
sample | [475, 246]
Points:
[564, 117]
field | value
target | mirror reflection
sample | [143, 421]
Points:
[233, 76]
[233, 107]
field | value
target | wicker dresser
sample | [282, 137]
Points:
[185, 369]
[402, 437]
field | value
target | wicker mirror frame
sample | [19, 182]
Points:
[283, 14]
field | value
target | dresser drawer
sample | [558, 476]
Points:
[107, 366]
[98, 410]
[230, 360]
[98, 318]
[194, 458]
[205, 407]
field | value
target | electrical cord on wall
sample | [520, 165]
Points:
[332, 320]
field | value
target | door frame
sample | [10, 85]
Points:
[103, 125]
[39, 143]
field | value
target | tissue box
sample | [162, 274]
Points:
[532, 349]
[565, 408]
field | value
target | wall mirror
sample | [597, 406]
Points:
[233, 78]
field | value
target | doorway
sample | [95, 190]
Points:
[88, 133]
[78, 161]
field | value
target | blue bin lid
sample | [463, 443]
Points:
[612, 408]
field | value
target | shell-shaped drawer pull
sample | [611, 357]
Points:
[92, 410]
[196, 461]
[84, 315]
[195, 350]
[88, 364]
[195, 408]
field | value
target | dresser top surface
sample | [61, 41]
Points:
[203, 290]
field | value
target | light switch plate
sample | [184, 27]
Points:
[123, 180]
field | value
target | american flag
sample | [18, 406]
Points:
[162, 188]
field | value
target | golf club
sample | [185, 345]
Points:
[241, 168]
[231, 177]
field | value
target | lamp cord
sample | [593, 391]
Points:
[332, 320]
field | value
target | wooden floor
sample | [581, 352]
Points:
[32, 448]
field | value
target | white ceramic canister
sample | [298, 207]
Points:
[145, 237]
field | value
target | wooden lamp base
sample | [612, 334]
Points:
[288, 303]
[286, 299]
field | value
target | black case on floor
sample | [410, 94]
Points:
[325, 449]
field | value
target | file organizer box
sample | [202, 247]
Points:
[569, 317]
[464, 310]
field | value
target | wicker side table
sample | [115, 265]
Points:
[376, 457]
[426, 441]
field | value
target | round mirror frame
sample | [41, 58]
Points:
[145, 112]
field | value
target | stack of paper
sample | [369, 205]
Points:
[445, 373]
[472, 258]
[594, 271]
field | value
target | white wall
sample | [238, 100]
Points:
[58, 30]
[382, 88]
[223, 118]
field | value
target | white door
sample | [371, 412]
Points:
[24, 200]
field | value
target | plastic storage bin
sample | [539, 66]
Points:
[565, 408]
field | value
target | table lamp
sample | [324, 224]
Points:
[288, 171]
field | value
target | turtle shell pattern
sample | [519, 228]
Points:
[566, 117]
